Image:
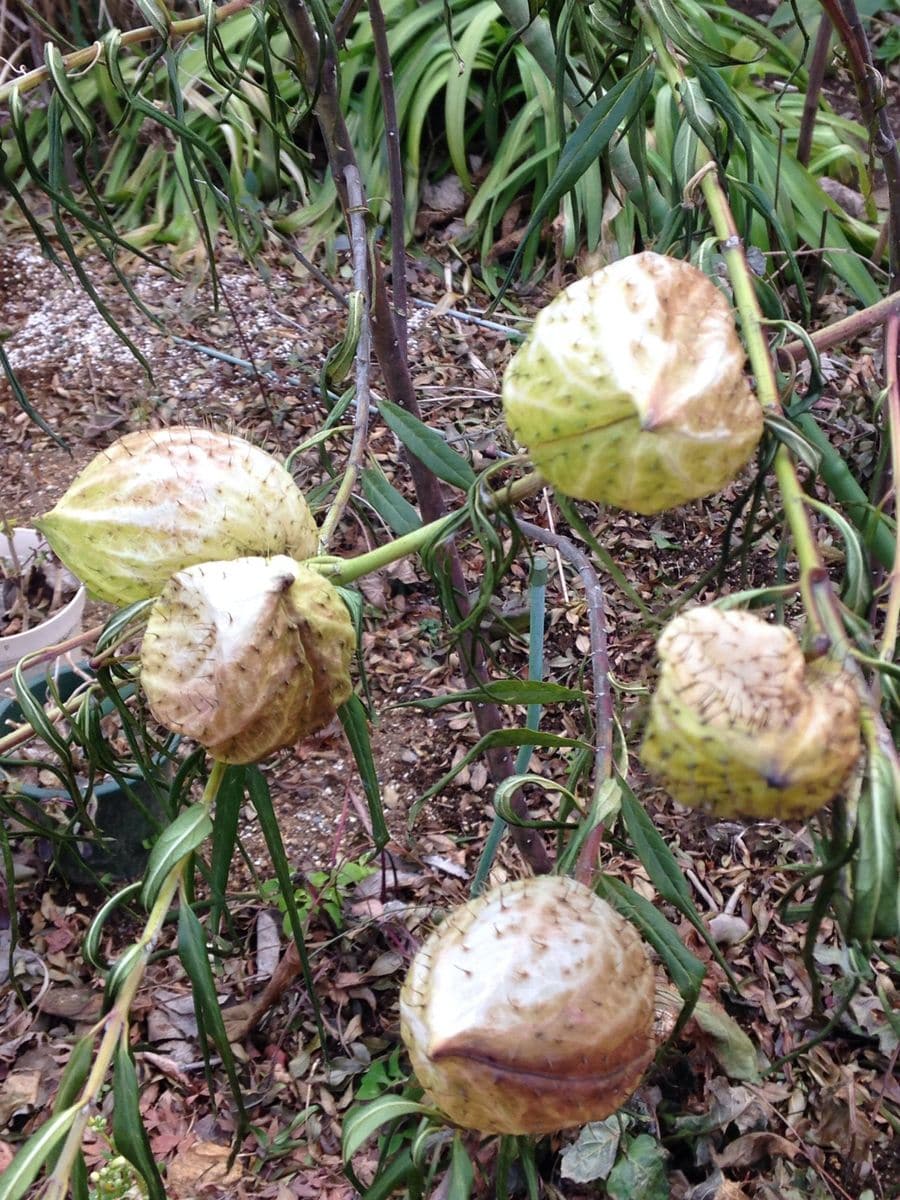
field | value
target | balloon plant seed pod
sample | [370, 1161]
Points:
[530, 1009]
[630, 388]
[247, 656]
[161, 500]
[742, 725]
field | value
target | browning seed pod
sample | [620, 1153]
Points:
[247, 656]
[630, 388]
[530, 1009]
[161, 500]
[742, 725]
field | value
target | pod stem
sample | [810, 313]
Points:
[345, 570]
[819, 603]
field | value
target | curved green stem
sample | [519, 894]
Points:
[345, 570]
[752, 328]
[116, 1020]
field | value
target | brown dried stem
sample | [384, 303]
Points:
[817, 65]
[846, 329]
[593, 594]
[395, 172]
[318, 70]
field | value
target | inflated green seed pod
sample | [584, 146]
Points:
[248, 656]
[530, 1009]
[161, 500]
[630, 388]
[742, 725]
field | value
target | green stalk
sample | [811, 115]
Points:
[116, 1020]
[344, 570]
[873, 859]
[538, 596]
[752, 327]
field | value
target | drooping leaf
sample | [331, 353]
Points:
[189, 830]
[428, 446]
[128, 1129]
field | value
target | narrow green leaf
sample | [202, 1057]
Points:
[156, 15]
[655, 855]
[224, 839]
[120, 621]
[664, 871]
[680, 33]
[90, 949]
[502, 691]
[261, 799]
[462, 1175]
[78, 1180]
[129, 1133]
[789, 435]
[341, 357]
[685, 970]
[361, 1123]
[81, 119]
[189, 830]
[507, 788]
[875, 872]
[356, 726]
[500, 737]
[856, 585]
[75, 1074]
[120, 971]
[427, 446]
[399, 1171]
[18, 1177]
[194, 958]
[19, 392]
[585, 146]
[719, 94]
[393, 508]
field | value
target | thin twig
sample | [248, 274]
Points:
[248, 349]
[846, 329]
[548, 509]
[57, 651]
[514, 335]
[359, 243]
[593, 594]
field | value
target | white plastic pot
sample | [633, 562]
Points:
[63, 624]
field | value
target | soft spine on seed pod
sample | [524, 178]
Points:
[630, 388]
[248, 656]
[158, 501]
[530, 1009]
[740, 724]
